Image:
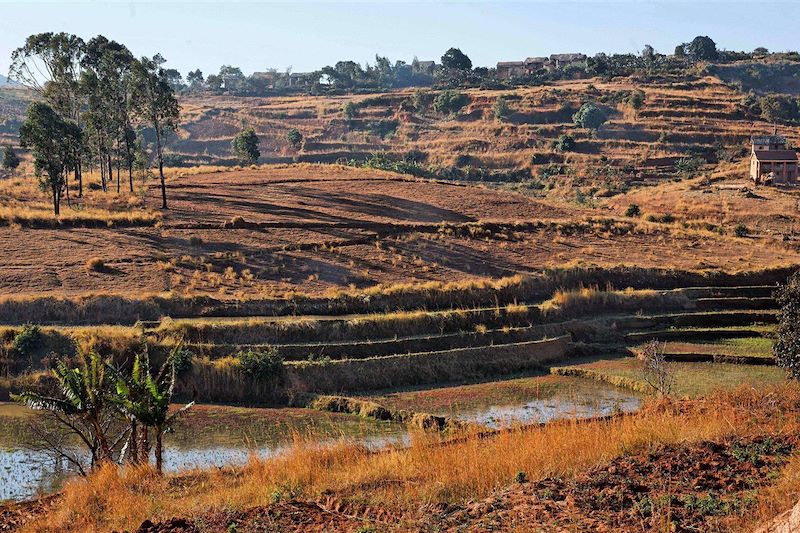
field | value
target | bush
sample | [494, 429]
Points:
[741, 230]
[666, 218]
[589, 116]
[564, 143]
[263, 365]
[633, 211]
[245, 147]
[350, 110]
[421, 99]
[194, 240]
[182, 359]
[295, 138]
[27, 341]
[450, 102]
[787, 343]
[501, 110]
[95, 264]
[635, 99]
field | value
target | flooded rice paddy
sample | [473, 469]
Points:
[215, 436]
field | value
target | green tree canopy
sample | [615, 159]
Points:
[51, 140]
[702, 48]
[245, 146]
[10, 158]
[589, 116]
[295, 138]
[455, 59]
[155, 104]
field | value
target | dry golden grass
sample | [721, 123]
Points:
[42, 216]
[404, 479]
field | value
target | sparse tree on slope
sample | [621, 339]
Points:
[10, 158]
[155, 103]
[589, 116]
[52, 141]
[245, 146]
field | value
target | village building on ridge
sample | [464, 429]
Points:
[771, 163]
[521, 69]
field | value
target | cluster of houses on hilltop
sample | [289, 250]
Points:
[521, 69]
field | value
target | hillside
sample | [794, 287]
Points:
[679, 119]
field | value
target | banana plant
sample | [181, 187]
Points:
[145, 400]
[84, 408]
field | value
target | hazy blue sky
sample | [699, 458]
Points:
[308, 36]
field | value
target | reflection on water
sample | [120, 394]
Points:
[603, 402]
[216, 436]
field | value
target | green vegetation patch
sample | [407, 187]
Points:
[691, 379]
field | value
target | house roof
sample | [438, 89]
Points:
[776, 155]
[536, 60]
[568, 57]
[501, 64]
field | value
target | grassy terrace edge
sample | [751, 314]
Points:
[120, 309]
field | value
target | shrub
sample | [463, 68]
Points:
[10, 158]
[666, 218]
[564, 143]
[787, 342]
[350, 110]
[589, 116]
[27, 341]
[182, 359]
[194, 240]
[741, 230]
[95, 264]
[635, 99]
[245, 146]
[263, 365]
[421, 99]
[688, 166]
[501, 110]
[295, 138]
[633, 211]
[450, 102]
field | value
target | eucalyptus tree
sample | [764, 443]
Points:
[108, 65]
[52, 141]
[155, 104]
[50, 64]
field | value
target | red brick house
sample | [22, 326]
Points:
[771, 162]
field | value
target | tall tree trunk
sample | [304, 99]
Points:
[159, 450]
[101, 437]
[110, 166]
[78, 179]
[56, 202]
[161, 170]
[128, 155]
[101, 164]
[66, 187]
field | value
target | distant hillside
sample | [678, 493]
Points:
[5, 81]
[761, 77]
[690, 119]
